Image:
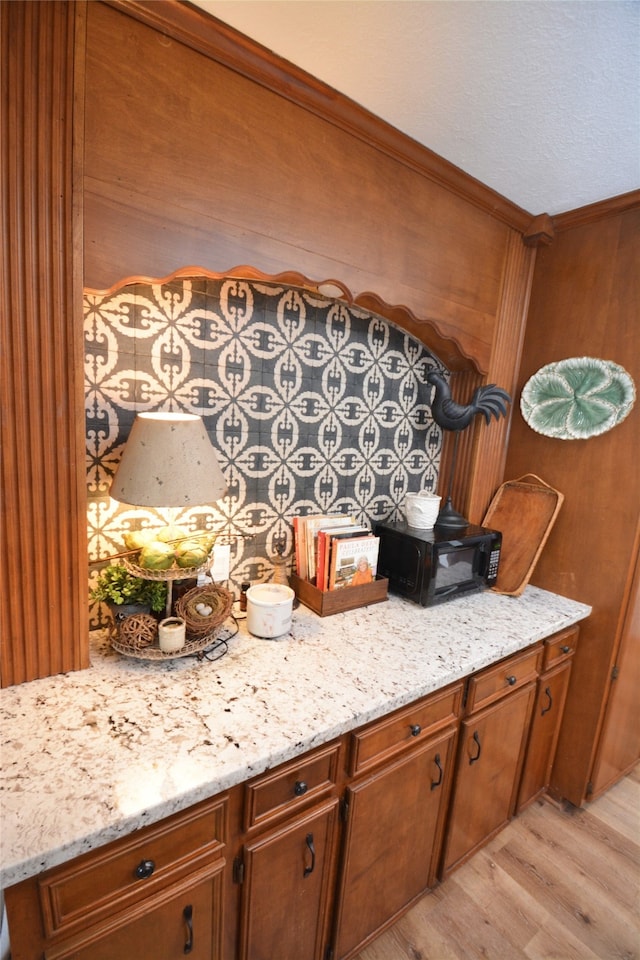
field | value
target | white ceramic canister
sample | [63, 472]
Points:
[422, 509]
[172, 634]
[269, 609]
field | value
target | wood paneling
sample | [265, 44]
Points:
[226, 46]
[190, 162]
[44, 607]
[491, 442]
[618, 746]
[586, 302]
[203, 148]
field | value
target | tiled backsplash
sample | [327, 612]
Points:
[312, 405]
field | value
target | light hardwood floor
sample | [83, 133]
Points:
[554, 885]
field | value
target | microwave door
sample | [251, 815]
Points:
[455, 571]
[410, 567]
[401, 562]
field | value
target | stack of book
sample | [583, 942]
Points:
[333, 551]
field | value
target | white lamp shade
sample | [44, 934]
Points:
[168, 461]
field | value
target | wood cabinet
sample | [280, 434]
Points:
[493, 738]
[317, 856]
[394, 816]
[287, 862]
[547, 715]
[157, 894]
[185, 922]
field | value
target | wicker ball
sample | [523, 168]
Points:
[204, 608]
[138, 630]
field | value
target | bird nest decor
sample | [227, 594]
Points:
[204, 608]
[138, 630]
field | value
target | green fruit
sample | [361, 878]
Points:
[167, 534]
[206, 540]
[137, 539]
[156, 556]
[191, 553]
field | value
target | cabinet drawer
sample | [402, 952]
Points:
[291, 785]
[494, 682]
[105, 881]
[385, 738]
[559, 647]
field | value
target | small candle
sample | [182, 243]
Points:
[172, 634]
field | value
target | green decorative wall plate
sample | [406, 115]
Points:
[577, 398]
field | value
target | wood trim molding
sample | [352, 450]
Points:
[597, 211]
[539, 232]
[447, 350]
[43, 546]
[212, 38]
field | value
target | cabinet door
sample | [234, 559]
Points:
[288, 873]
[394, 829]
[492, 744]
[545, 729]
[179, 924]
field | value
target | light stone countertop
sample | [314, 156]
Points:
[93, 755]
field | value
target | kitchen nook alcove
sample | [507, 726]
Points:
[314, 400]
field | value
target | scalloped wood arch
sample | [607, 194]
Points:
[448, 350]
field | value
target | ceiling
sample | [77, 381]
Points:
[538, 99]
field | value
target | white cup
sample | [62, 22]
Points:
[172, 634]
[269, 609]
[422, 509]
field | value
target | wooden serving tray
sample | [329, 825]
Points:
[524, 511]
[327, 602]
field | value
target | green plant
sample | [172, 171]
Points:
[116, 585]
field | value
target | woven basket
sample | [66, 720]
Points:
[172, 573]
[204, 608]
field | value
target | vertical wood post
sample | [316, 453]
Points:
[43, 609]
[490, 440]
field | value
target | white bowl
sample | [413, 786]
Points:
[422, 509]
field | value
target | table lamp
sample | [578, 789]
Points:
[168, 462]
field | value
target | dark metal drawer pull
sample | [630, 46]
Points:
[300, 788]
[416, 729]
[187, 913]
[309, 870]
[476, 740]
[546, 709]
[565, 649]
[436, 783]
[145, 869]
[512, 680]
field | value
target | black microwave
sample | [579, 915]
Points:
[431, 566]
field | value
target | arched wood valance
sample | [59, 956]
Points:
[447, 349]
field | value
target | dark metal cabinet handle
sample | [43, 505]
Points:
[436, 783]
[416, 729]
[549, 704]
[312, 850]
[565, 649]
[145, 869]
[476, 740]
[300, 788]
[512, 680]
[187, 913]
